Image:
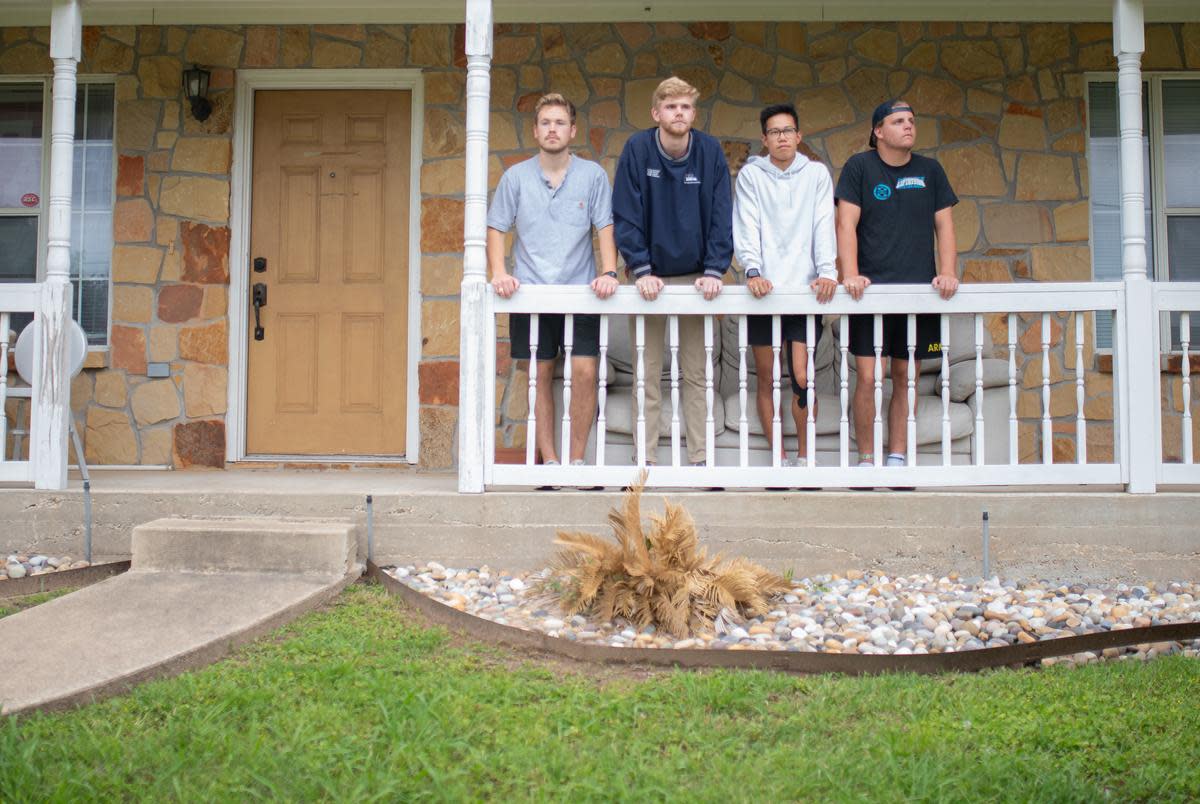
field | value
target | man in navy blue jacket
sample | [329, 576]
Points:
[673, 216]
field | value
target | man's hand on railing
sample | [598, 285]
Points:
[824, 289]
[605, 286]
[759, 286]
[649, 286]
[945, 285]
[710, 286]
[505, 284]
[855, 285]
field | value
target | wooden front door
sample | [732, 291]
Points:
[330, 220]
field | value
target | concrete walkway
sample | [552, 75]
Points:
[196, 591]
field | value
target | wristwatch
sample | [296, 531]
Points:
[613, 274]
[752, 273]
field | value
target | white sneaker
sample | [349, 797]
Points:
[793, 462]
[895, 460]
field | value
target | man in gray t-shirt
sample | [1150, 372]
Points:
[553, 200]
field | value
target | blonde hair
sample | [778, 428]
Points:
[553, 99]
[674, 87]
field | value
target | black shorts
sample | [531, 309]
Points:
[895, 336]
[792, 329]
[551, 326]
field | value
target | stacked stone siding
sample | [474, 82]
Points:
[1000, 104]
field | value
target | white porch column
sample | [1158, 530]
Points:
[473, 418]
[52, 401]
[1139, 376]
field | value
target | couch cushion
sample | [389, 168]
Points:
[929, 417]
[962, 377]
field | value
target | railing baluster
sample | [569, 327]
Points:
[945, 338]
[639, 338]
[877, 335]
[710, 426]
[602, 391]
[1047, 424]
[1014, 455]
[744, 426]
[3, 386]
[1080, 394]
[673, 329]
[844, 419]
[531, 416]
[911, 424]
[776, 375]
[810, 391]
[1185, 338]
[568, 348]
[979, 443]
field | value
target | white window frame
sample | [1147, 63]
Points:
[1159, 269]
[42, 210]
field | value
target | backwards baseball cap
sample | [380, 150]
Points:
[881, 113]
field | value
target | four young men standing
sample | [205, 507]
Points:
[678, 223]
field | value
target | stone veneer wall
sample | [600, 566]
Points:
[1000, 104]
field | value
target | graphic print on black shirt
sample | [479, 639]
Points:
[895, 230]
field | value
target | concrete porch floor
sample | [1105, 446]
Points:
[1067, 533]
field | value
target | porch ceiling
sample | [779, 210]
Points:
[150, 12]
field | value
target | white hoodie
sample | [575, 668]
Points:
[783, 223]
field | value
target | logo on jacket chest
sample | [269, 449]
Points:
[691, 178]
[654, 173]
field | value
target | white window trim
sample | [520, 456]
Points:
[248, 82]
[1160, 267]
[43, 206]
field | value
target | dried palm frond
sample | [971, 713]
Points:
[661, 577]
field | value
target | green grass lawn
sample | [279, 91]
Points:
[362, 702]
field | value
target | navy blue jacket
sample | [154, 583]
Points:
[673, 218]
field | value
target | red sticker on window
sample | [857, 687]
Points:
[30, 199]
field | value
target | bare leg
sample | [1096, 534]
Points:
[864, 405]
[764, 367]
[583, 403]
[799, 412]
[544, 410]
[898, 409]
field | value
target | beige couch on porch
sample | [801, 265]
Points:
[621, 416]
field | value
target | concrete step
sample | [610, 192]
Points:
[325, 547]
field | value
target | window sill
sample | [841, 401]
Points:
[97, 358]
[1168, 363]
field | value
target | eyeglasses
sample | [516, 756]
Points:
[782, 132]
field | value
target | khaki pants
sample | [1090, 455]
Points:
[691, 365]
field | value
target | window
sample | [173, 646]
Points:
[24, 187]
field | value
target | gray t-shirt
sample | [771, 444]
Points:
[553, 244]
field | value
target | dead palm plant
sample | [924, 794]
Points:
[661, 577]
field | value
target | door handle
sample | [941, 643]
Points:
[258, 297]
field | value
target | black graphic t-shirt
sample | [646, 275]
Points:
[895, 230]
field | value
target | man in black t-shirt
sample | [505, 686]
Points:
[890, 205]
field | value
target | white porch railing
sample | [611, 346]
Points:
[1177, 461]
[614, 464]
[15, 299]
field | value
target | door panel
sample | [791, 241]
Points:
[330, 216]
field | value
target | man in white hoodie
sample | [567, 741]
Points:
[784, 237]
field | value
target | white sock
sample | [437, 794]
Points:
[895, 459]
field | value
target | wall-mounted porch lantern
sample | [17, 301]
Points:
[195, 86]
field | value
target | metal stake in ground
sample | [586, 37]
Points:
[987, 548]
[370, 529]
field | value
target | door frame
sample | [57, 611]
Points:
[241, 176]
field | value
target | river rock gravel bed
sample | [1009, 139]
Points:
[17, 565]
[859, 612]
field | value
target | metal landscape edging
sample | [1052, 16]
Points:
[60, 579]
[786, 661]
